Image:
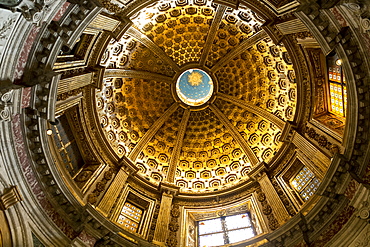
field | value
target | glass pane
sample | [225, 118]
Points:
[310, 189]
[336, 99]
[127, 223]
[210, 226]
[211, 240]
[237, 221]
[239, 235]
[302, 178]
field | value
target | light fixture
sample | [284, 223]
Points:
[338, 62]
[49, 132]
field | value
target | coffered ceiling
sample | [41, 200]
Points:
[201, 148]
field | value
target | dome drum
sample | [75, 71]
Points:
[195, 112]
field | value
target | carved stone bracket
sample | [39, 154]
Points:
[361, 13]
[168, 188]
[32, 10]
[364, 211]
[5, 110]
[10, 197]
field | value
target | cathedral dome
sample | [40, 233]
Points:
[184, 123]
[196, 94]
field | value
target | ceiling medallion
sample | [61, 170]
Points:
[194, 87]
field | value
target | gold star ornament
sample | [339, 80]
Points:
[195, 78]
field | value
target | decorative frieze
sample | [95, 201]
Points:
[173, 226]
[284, 199]
[330, 145]
[100, 186]
[267, 210]
[32, 11]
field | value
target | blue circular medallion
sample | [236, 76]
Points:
[194, 87]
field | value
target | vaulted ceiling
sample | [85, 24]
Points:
[199, 148]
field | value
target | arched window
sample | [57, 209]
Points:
[225, 230]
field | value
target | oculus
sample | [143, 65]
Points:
[194, 87]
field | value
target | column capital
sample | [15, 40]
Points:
[126, 165]
[258, 171]
[168, 188]
[288, 132]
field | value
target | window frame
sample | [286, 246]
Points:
[297, 191]
[334, 71]
[225, 231]
[141, 201]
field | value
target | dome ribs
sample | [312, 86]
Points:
[236, 135]
[152, 131]
[178, 145]
[253, 109]
[142, 38]
[244, 45]
[127, 73]
[221, 9]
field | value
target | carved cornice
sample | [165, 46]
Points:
[128, 166]
[168, 188]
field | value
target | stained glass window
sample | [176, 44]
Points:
[305, 183]
[225, 230]
[130, 217]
